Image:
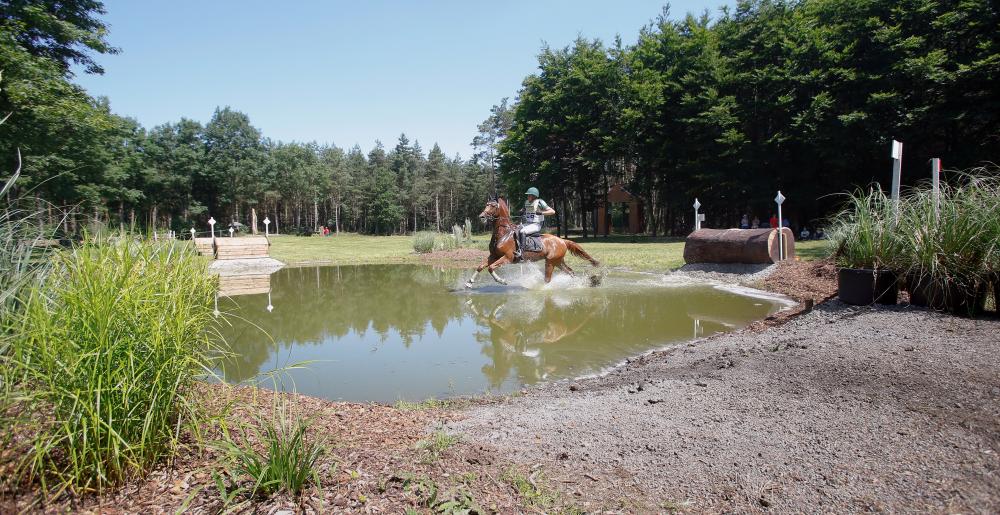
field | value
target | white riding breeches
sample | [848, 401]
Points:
[527, 229]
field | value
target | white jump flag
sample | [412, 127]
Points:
[897, 165]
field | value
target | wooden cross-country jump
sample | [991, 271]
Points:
[244, 247]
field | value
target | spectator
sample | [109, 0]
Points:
[774, 221]
[755, 224]
[804, 234]
[745, 221]
[785, 223]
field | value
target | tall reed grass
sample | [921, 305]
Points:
[109, 344]
[946, 249]
[863, 233]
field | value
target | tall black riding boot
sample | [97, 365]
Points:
[518, 245]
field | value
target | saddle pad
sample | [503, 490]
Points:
[533, 243]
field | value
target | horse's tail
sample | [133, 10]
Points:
[578, 251]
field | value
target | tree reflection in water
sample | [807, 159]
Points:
[400, 331]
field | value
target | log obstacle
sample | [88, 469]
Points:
[247, 247]
[751, 246]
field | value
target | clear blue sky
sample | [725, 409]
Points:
[346, 72]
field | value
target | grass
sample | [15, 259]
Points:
[427, 404]
[435, 445]
[287, 463]
[108, 346]
[529, 490]
[645, 254]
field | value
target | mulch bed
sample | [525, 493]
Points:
[374, 463]
[808, 282]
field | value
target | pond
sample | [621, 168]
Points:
[407, 332]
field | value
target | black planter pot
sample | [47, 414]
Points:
[864, 286]
[924, 292]
[950, 297]
[995, 279]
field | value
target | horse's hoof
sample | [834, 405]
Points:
[468, 286]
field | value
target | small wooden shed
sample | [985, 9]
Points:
[633, 206]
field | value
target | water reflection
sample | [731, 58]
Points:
[388, 332]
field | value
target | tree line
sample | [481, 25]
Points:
[111, 170]
[803, 96]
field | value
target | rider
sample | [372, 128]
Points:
[535, 210]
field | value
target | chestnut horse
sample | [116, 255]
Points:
[502, 246]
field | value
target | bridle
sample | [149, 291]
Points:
[493, 217]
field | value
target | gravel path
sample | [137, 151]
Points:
[839, 410]
[728, 272]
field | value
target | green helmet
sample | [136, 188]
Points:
[532, 191]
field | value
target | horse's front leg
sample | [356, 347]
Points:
[497, 264]
[486, 263]
[549, 268]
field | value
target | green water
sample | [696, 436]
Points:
[390, 332]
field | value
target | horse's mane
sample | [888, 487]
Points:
[504, 211]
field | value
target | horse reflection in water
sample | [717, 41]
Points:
[525, 333]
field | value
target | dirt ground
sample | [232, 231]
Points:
[841, 409]
[835, 409]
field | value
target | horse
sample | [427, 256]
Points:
[502, 246]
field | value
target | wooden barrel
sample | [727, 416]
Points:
[751, 246]
[245, 247]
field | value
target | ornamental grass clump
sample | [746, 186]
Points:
[109, 344]
[950, 247]
[863, 234]
[273, 455]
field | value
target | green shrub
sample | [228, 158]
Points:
[446, 242]
[429, 241]
[423, 241]
[109, 345]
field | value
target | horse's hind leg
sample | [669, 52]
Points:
[565, 268]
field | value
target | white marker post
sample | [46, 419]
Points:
[936, 186]
[211, 223]
[780, 199]
[230, 232]
[697, 217]
[192, 234]
[897, 167]
[270, 307]
[267, 226]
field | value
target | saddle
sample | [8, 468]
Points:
[530, 243]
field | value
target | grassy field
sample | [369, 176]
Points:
[641, 253]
